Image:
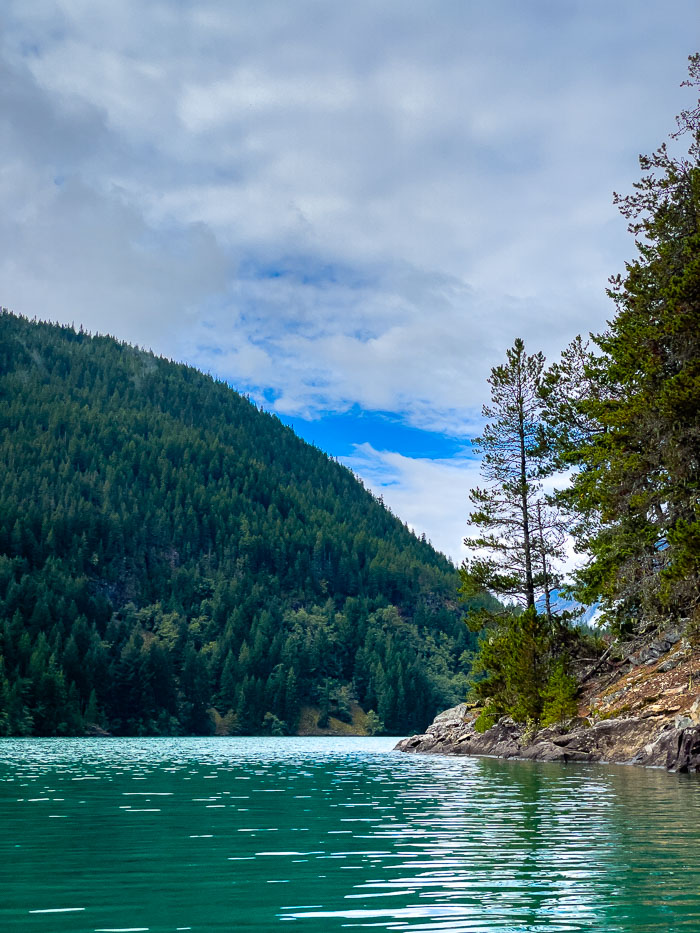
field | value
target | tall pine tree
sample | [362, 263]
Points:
[518, 539]
[518, 547]
[634, 432]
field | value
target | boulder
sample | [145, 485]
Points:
[551, 751]
[455, 714]
[456, 735]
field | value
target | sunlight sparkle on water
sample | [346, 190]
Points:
[391, 842]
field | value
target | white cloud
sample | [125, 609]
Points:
[431, 496]
[339, 204]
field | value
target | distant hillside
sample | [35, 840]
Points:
[167, 549]
[581, 615]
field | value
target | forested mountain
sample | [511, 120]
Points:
[167, 548]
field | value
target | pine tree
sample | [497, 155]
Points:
[637, 489]
[514, 659]
[559, 696]
[521, 539]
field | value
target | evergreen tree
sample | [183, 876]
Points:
[559, 696]
[514, 657]
[521, 539]
[634, 430]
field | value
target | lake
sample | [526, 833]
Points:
[325, 834]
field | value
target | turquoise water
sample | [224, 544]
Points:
[325, 834]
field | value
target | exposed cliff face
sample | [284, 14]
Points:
[644, 709]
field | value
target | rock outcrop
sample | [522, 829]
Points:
[642, 710]
[628, 741]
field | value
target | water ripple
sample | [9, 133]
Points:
[156, 834]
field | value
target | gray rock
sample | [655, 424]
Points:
[652, 742]
[455, 714]
[683, 722]
[551, 751]
[694, 712]
[649, 653]
[684, 750]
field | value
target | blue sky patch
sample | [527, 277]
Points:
[339, 434]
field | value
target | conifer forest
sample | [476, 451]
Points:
[172, 557]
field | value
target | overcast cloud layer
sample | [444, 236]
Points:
[333, 206]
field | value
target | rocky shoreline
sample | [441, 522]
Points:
[643, 709]
[621, 741]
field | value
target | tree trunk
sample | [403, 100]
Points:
[545, 572]
[529, 584]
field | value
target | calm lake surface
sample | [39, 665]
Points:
[325, 834]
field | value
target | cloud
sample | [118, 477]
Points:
[78, 248]
[332, 205]
[375, 345]
[432, 496]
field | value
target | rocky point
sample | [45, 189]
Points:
[641, 707]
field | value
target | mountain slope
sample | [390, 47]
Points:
[166, 548]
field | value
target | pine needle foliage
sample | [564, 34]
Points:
[518, 548]
[626, 413]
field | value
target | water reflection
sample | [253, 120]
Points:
[248, 834]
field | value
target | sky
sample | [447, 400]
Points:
[347, 210]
